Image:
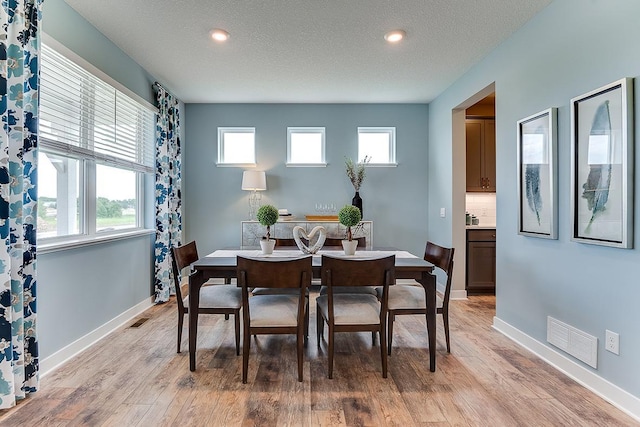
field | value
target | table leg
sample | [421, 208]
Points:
[195, 283]
[429, 283]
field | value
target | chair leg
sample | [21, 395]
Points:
[237, 321]
[390, 334]
[330, 351]
[180, 322]
[246, 342]
[445, 320]
[383, 348]
[299, 341]
[319, 324]
[306, 323]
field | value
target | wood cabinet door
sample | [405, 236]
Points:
[489, 155]
[474, 129]
[481, 267]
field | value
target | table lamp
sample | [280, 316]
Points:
[254, 181]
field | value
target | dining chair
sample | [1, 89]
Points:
[276, 313]
[348, 312]
[214, 298]
[411, 299]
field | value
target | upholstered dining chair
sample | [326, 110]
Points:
[214, 298]
[411, 299]
[349, 312]
[275, 313]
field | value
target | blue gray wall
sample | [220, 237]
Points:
[393, 197]
[81, 289]
[568, 49]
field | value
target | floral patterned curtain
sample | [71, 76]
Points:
[19, 84]
[168, 197]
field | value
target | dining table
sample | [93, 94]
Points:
[223, 264]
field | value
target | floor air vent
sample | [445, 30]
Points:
[577, 343]
[139, 322]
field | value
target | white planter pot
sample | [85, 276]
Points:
[349, 246]
[267, 246]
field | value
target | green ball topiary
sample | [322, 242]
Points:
[267, 215]
[349, 216]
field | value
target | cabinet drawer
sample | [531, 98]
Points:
[481, 235]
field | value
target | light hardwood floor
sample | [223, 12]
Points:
[135, 378]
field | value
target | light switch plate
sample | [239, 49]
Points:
[443, 212]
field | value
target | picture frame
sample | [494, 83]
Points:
[602, 165]
[537, 175]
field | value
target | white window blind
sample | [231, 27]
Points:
[85, 117]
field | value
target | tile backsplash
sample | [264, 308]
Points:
[483, 206]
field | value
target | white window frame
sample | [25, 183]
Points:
[391, 131]
[295, 130]
[87, 233]
[221, 135]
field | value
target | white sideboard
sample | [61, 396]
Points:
[253, 231]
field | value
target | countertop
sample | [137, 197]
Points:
[481, 227]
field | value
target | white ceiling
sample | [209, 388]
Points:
[307, 50]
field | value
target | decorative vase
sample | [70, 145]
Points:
[267, 246]
[349, 246]
[357, 202]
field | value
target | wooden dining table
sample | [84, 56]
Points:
[223, 264]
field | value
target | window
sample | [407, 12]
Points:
[96, 144]
[236, 146]
[305, 146]
[379, 144]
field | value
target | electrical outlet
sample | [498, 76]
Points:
[612, 342]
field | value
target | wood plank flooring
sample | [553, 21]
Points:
[134, 377]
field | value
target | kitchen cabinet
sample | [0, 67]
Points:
[481, 155]
[481, 261]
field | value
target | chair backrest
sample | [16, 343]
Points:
[283, 273]
[442, 258]
[362, 272]
[333, 241]
[182, 257]
[289, 242]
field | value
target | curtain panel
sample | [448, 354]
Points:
[19, 84]
[168, 197]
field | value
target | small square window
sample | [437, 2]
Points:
[379, 144]
[236, 146]
[305, 146]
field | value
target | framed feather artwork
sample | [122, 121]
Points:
[602, 165]
[537, 175]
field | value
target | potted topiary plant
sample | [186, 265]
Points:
[349, 216]
[267, 215]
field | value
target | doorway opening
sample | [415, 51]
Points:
[474, 178]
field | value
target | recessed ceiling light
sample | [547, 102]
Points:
[219, 35]
[394, 36]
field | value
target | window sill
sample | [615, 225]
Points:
[381, 165]
[43, 248]
[306, 165]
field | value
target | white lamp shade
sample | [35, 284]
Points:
[254, 180]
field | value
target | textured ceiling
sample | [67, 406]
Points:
[307, 50]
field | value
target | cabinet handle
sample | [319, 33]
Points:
[488, 183]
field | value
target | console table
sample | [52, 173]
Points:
[252, 231]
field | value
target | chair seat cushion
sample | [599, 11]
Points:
[407, 297]
[219, 296]
[351, 309]
[349, 290]
[273, 310]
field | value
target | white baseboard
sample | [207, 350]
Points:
[613, 394]
[458, 294]
[49, 364]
